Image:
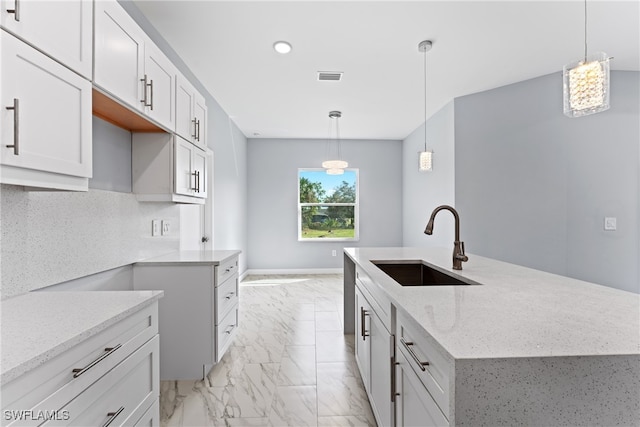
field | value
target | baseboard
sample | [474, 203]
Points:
[290, 271]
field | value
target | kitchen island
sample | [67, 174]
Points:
[516, 347]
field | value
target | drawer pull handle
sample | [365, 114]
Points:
[15, 11]
[228, 269]
[363, 314]
[228, 331]
[109, 350]
[112, 416]
[16, 126]
[230, 295]
[407, 345]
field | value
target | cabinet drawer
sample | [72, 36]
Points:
[418, 347]
[226, 270]
[225, 332]
[226, 297]
[122, 396]
[54, 384]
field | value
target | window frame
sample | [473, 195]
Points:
[356, 210]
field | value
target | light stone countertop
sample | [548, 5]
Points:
[513, 311]
[38, 326]
[191, 257]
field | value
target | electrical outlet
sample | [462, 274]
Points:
[333, 253]
[155, 227]
[166, 227]
[610, 223]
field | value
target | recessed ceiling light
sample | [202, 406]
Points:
[282, 47]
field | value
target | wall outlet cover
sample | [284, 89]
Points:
[155, 227]
[610, 223]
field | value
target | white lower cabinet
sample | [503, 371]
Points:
[374, 356]
[113, 375]
[414, 405]
[198, 313]
[45, 120]
[167, 168]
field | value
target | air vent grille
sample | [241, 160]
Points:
[329, 76]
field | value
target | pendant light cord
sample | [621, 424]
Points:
[425, 100]
[585, 31]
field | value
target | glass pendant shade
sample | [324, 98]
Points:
[426, 161]
[586, 86]
[335, 171]
[335, 164]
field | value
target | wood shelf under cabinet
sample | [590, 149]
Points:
[117, 114]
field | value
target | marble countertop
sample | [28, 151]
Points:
[191, 257]
[38, 326]
[513, 311]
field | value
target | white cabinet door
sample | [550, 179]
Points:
[185, 116]
[199, 164]
[46, 112]
[61, 29]
[184, 180]
[160, 86]
[363, 340]
[119, 54]
[380, 371]
[191, 113]
[414, 404]
[200, 115]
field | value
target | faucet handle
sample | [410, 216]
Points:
[461, 255]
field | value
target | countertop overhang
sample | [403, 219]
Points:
[514, 311]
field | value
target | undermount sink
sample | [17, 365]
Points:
[416, 273]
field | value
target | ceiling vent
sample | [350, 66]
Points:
[329, 76]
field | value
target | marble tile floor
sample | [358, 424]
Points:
[290, 363]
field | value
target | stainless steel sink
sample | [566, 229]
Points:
[416, 273]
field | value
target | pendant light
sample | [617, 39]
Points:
[425, 162]
[586, 82]
[334, 150]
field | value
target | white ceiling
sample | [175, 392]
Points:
[477, 45]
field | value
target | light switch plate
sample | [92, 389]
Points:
[610, 223]
[166, 227]
[155, 227]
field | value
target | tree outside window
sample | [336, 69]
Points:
[327, 205]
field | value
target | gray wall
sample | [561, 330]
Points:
[273, 190]
[533, 186]
[230, 161]
[424, 191]
[111, 157]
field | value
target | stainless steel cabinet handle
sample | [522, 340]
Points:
[198, 130]
[151, 98]
[194, 135]
[231, 294]
[195, 181]
[16, 126]
[228, 331]
[112, 416]
[109, 351]
[363, 315]
[392, 344]
[145, 85]
[228, 269]
[407, 345]
[16, 10]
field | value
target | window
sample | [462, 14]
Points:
[327, 205]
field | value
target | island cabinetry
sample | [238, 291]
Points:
[422, 376]
[45, 120]
[166, 168]
[374, 351]
[198, 314]
[111, 376]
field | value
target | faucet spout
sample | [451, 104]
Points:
[458, 247]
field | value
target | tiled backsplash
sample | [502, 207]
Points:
[51, 237]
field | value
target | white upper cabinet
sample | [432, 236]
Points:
[129, 66]
[160, 86]
[119, 54]
[45, 119]
[61, 29]
[191, 112]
